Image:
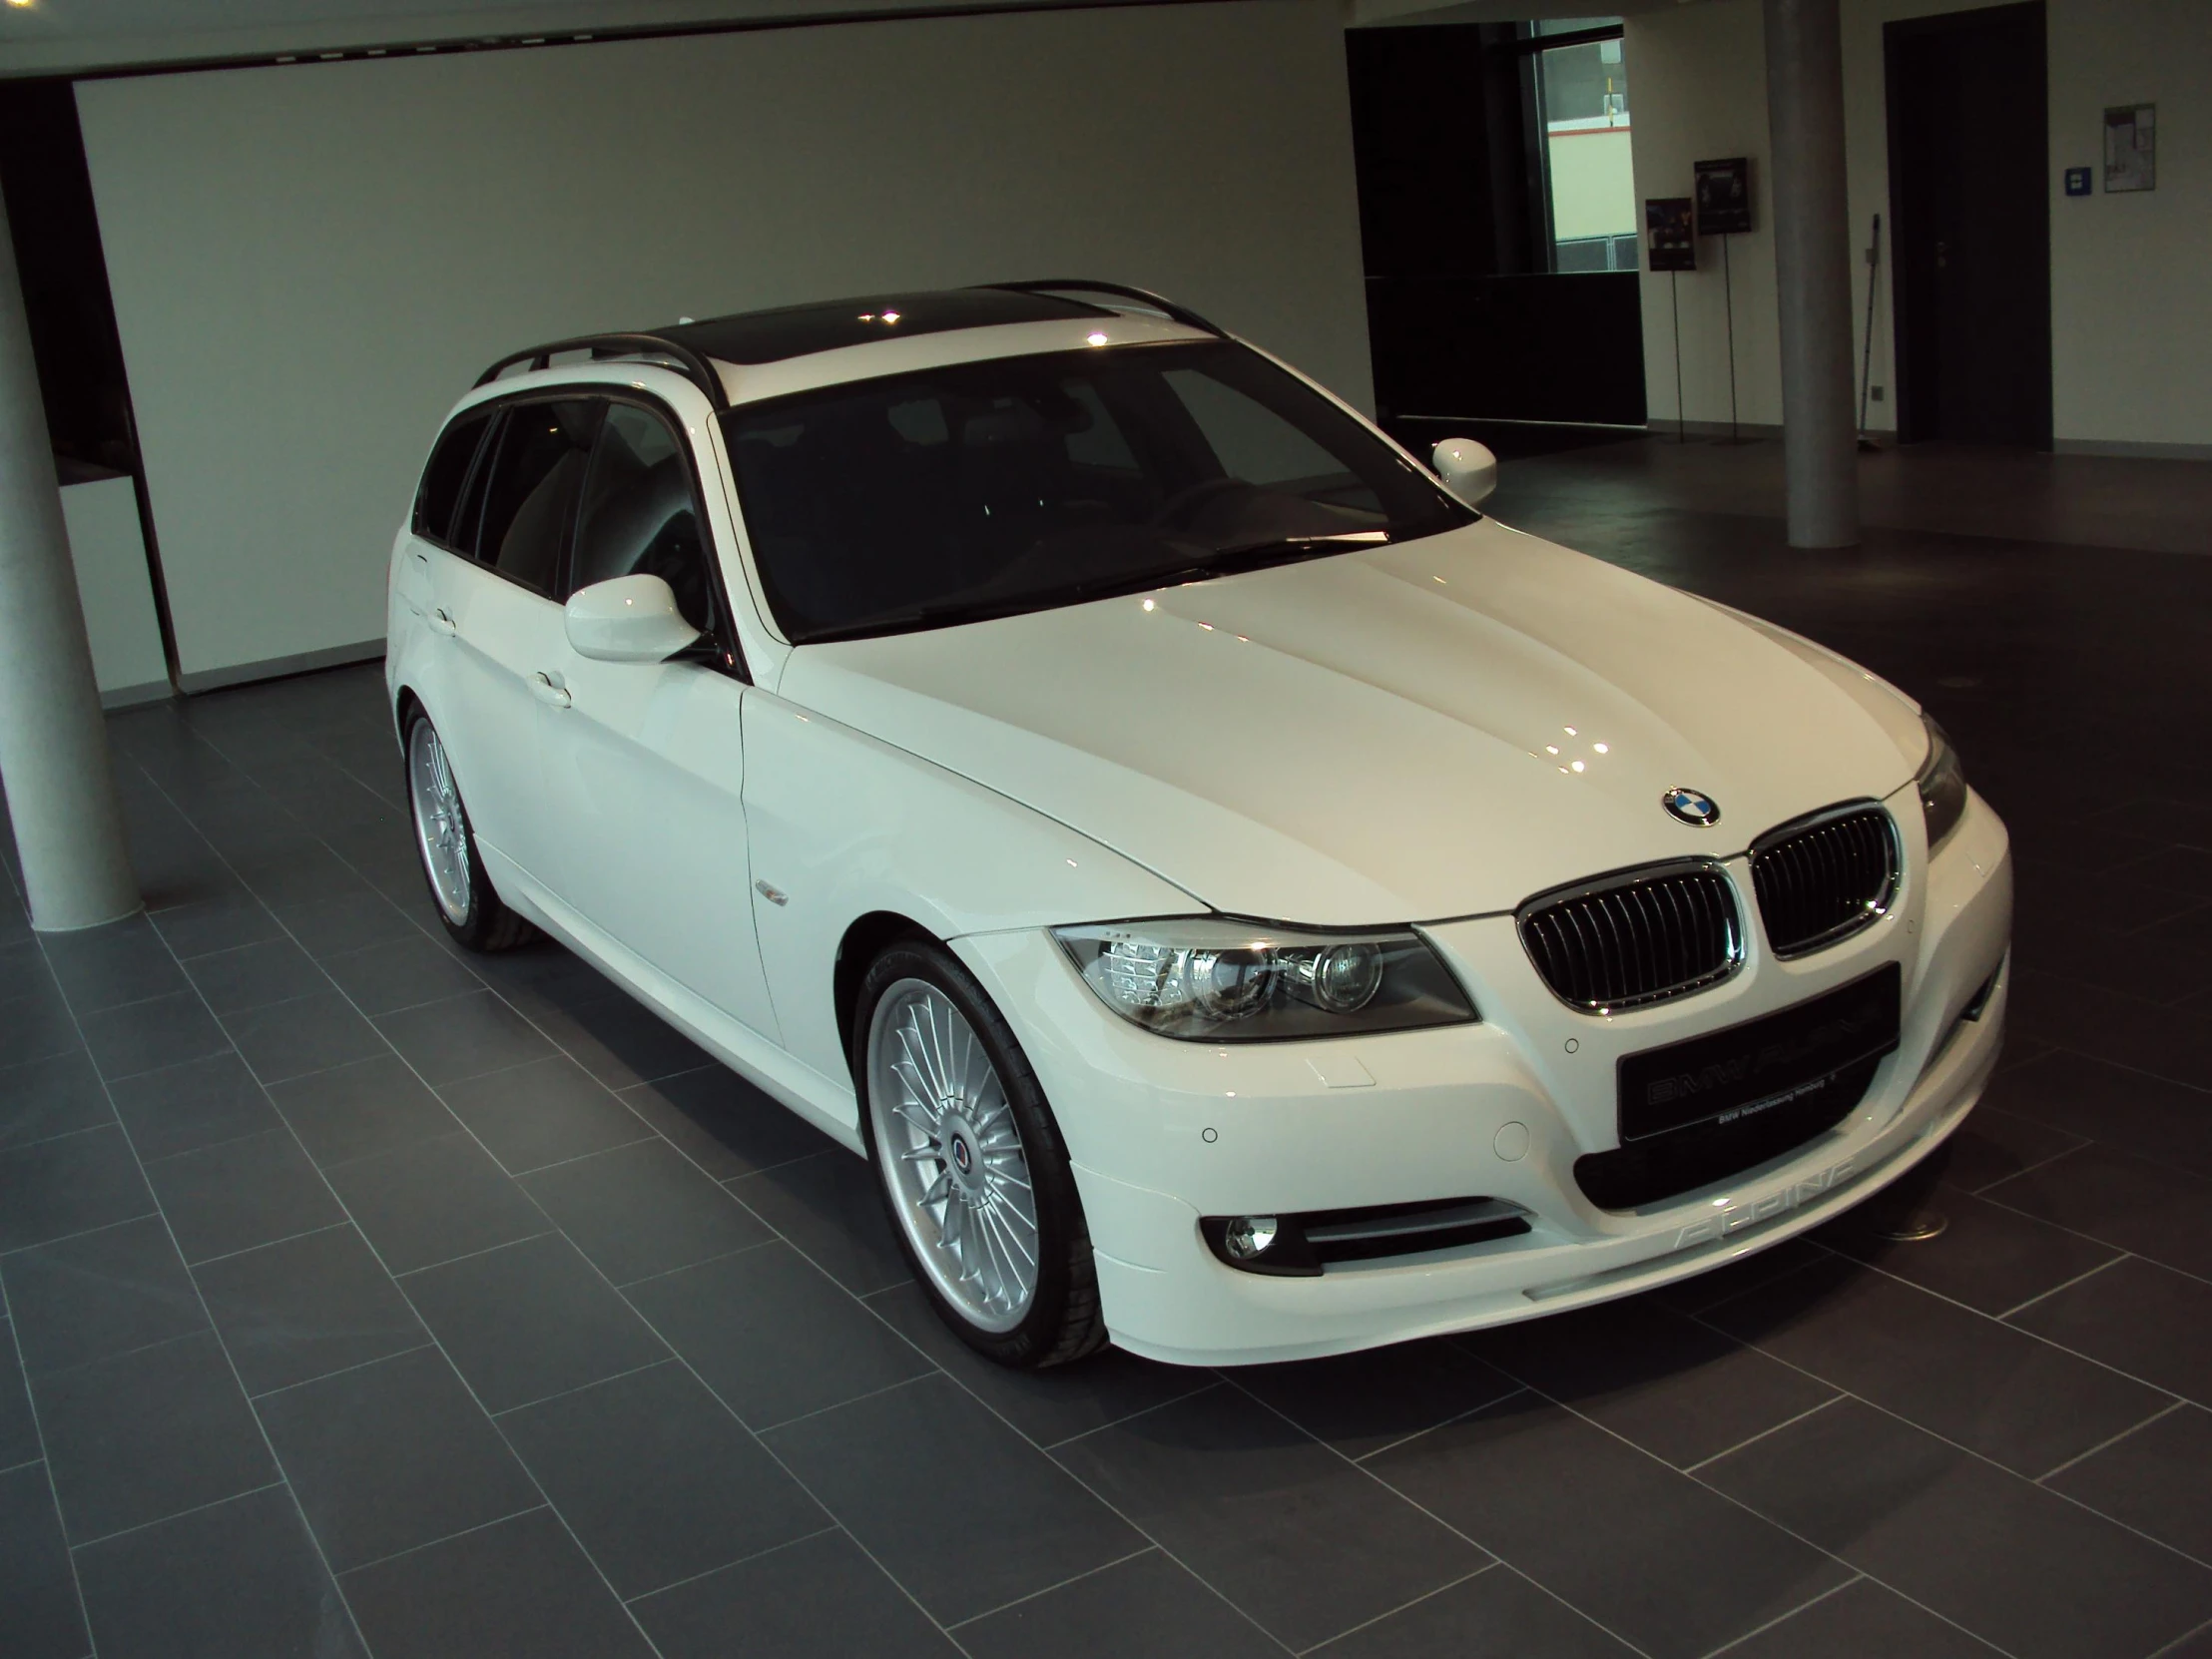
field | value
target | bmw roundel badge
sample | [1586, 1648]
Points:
[1698, 810]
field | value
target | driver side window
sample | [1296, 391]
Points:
[638, 515]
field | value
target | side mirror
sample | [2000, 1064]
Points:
[1467, 469]
[631, 619]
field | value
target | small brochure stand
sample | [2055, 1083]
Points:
[1723, 211]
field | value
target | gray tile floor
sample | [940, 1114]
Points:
[362, 1298]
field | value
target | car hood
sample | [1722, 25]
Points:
[1434, 729]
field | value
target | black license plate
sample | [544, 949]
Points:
[1729, 1075]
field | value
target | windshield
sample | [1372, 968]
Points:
[985, 489]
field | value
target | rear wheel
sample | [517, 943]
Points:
[970, 1164]
[463, 893]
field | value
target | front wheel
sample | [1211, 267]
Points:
[466, 904]
[970, 1164]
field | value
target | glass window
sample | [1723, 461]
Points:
[439, 499]
[984, 489]
[531, 486]
[638, 517]
[1588, 175]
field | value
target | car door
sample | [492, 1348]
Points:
[494, 604]
[644, 764]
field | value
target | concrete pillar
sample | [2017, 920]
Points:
[1812, 242]
[53, 745]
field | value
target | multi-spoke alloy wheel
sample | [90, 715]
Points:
[441, 828]
[951, 1153]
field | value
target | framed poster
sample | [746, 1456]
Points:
[2131, 148]
[1724, 197]
[1670, 234]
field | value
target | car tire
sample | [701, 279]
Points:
[446, 847]
[957, 1128]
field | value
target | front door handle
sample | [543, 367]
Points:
[442, 621]
[547, 689]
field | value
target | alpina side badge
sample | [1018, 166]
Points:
[1698, 810]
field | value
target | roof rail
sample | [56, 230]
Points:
[1152, 302]
[690, 364]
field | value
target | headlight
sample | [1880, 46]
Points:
[1210, 980]
[1942, 786]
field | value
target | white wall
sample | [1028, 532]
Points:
[109, 552]
[2131, 347]
[309, 263]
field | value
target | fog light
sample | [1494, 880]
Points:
[1248, 1236]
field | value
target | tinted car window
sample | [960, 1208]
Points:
[638, 516]
[531, 488]
[439, 499]
[986, 488]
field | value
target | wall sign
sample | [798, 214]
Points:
[2131, 146]
[2077, 181]
[1724, 197]
[1670, 234]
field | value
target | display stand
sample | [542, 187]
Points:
[1723, 210]
[1674, 299]
[1728, 289]
[1671, 244]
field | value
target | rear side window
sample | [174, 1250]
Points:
[531, 487]
[438, 501]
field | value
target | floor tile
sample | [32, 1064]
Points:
[1496, 1611]
[348, 922]
[24, 972]
[2044, 1578]
[1991, 1258]
[545, 1112]
[2139, 1205]
[821, 1596]
[433, 1201]
[1993, 1146]
[242, 1577]
[621, 1042]
[1659, 1379]
[1362, 1402]
[100, 1294]
[2139, 1317]
[1284, 1528]
[357, 1110]
[529, 1320]
[2153, 1480]
[462, 1036]
[392, 1455]
[399, 973]
[105, 968]
[828, 1207]
[311, 1033]
[40, 1617]
[1993, 1389]
[37, 1026]
[772, 1335]
[19, 1443]
[305, 1308]
[255, 975]
[183, 1108]
[149, 1434]
[885, 1465]
[207, 925]
[642, 1209]
[660, 1482]
[239, 1194]
[58, 1095]
[724, 1124]
[1651, 1554]
[55, 1188]
[1861, 1619]
[144, 1036]
[1049, 1406]
[2151, 1117]
[1715, 1286]
[521, 1587]
[1144, 1606]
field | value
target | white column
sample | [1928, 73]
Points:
[53, 745]
[1812, 241]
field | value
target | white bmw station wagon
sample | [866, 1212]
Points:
[1244, 903]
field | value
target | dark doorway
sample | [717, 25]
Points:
[1968, 154]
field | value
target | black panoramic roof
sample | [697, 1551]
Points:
[801, 330]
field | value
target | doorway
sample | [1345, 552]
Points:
[1970, 213]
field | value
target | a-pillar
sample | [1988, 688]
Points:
[53, 745]
[1812, 238]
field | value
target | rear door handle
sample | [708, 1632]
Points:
[546, 688]
[442, 620]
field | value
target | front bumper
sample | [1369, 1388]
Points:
[1162, 1133]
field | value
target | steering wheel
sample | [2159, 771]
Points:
[1175, 511]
